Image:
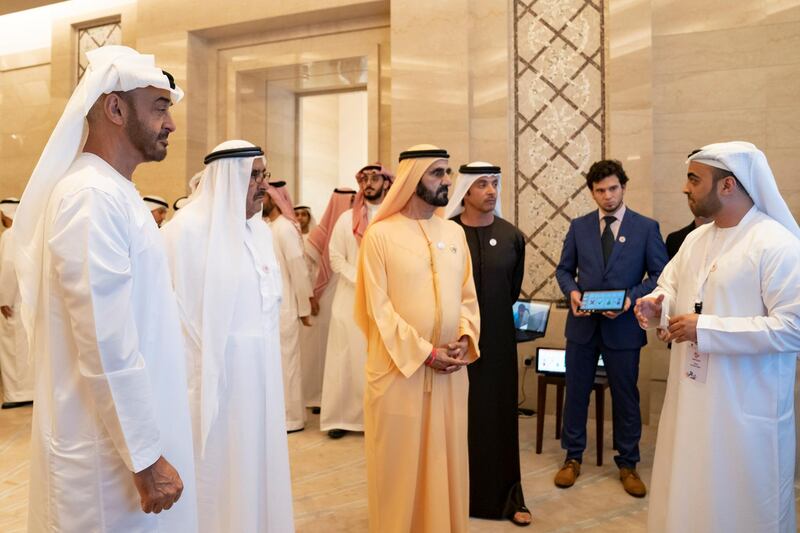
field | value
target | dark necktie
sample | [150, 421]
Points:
[607, 238]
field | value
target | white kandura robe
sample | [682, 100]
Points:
[346, 351]
[313, 338]
[295, 303]
[243, 480]
[16, 368]
[724, 460]
[110, 371]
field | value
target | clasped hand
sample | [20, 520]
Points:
[451, 357]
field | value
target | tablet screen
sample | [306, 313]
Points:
[531, 316]
[554, 361]
[603, 300]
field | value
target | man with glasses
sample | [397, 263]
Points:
[228, 287]
[346, 353]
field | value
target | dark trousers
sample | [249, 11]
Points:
[622, 368]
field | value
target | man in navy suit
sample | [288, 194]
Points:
[611, 248]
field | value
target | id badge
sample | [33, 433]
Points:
[696, 364]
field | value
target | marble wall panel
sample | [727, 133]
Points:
[559, 124]
[281, 135]
[27, 119]
[628, 84]
[430, 76]
[782, 11]
[682, 16]
[489, 128]
[731, 74]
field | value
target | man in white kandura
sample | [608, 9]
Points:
[323, 280]
[228, 287]
[297, 301]
[729, 303]
[158, 208]
[16, 368]
[311, 358]
[346, 352]
[112, 437]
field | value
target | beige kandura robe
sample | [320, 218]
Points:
[415, 419]
[16, 367]
[295, 303]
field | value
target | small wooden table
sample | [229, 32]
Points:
[599, 387]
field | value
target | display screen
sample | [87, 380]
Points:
[554, 361]
[531, 316]
[599, 301]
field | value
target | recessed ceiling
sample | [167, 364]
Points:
[12, 6]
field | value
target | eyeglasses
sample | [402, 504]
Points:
[370, 177]
[259, 176]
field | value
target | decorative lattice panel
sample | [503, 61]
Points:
[559, 104]
[95, 37]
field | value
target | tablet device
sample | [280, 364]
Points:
[530, 319]
[553, 362]
[602, 301]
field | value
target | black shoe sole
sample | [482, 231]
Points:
[14, 405]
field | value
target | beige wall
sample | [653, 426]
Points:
[724, 71]
[679, 74]
[26, 118]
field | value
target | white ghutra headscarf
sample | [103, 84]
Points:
[467, 175]
[205, 244]
[111, 68]
[749, 165]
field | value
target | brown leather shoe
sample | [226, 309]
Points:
[632, 483]
[566, 477]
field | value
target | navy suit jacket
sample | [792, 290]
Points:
[638, 250]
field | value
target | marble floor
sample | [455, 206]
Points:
[330, 492]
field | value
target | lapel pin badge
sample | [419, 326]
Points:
[622, 238]
[493, 242]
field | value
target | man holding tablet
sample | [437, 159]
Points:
[605, 258]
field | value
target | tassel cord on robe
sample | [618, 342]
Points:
[437, 314]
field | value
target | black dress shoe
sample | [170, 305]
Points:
[12, 405]
[315, 410]
[336, 433]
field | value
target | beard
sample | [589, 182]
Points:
[267, 205]
[373, 196]
[145, 140]
[708, 206]
[436, 198]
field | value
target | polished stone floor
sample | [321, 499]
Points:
[330, 492]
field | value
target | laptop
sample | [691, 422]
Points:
[530, 319]
[553, 362]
